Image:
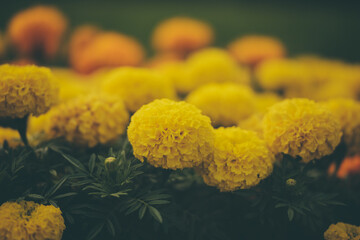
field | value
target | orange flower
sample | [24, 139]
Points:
[162, 59]
[37, 28]
[349, 166]
[181, 34]
[81, 37]
[108, 49]
[254, 49]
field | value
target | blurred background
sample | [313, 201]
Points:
[326, 28]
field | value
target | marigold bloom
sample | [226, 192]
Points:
[26, 90]
[241, 160]
[214, 66]
[138, 86]
[265, 100]
[88, 120]
[226, 104]
[347, 111]
[301, 127]
[2, 46]
[164, 58]
[177, 73]
[108, 49]
[29, 220]
[181, 34]
[37, 28]
[253, 123]
[342, 231]
[349, 166]
[79, 40]
[279, 74]
[171, 134]
[253, 49]
[11, 136]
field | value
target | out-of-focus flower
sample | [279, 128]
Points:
[347, 111]
[88, 120]
[29, 220]
[182, 35]
[73, 84]
[226, 104]
[2, 45]
[342, 231]
[349, 166]
[11, 136]
[301, 127]
[37, 28]
[26, 90]
[108, 49]
[253, 123]
[177, 73]
[164, 58]
[265, 100]
[171, 134]
[241, 160]
[138, 86]
[80, 39]
[279, 74]
[253, 49]
[214, 66]
[290, 182]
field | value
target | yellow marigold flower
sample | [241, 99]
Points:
[26, 90]
[226, 104]
[29, 220]
[36, 27]
[301, 127]
[171, 134]
[253, 123]
[177, 73]
[265, 100]
[241, 160]
[214, 66]
[88, 120]
[138, 86]
[163, 58]
[181, 34]
[253, 49]
[342, 231]
[108, 49]
[347, 111]
[11, 136]
[281, 74]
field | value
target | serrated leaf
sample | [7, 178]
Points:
[156, 214]
[290, 213]
[76, 163]
[142, 212]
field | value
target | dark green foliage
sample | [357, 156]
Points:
[108, 194]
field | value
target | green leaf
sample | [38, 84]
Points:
[158, 202]
[36, 196]
[65, 195]
[290, 213]
[133, 208]
[95, 231]
[76, 163]
[92, 162]
[156, 214]
[56, 187]
[142, 212]
[110, 227]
